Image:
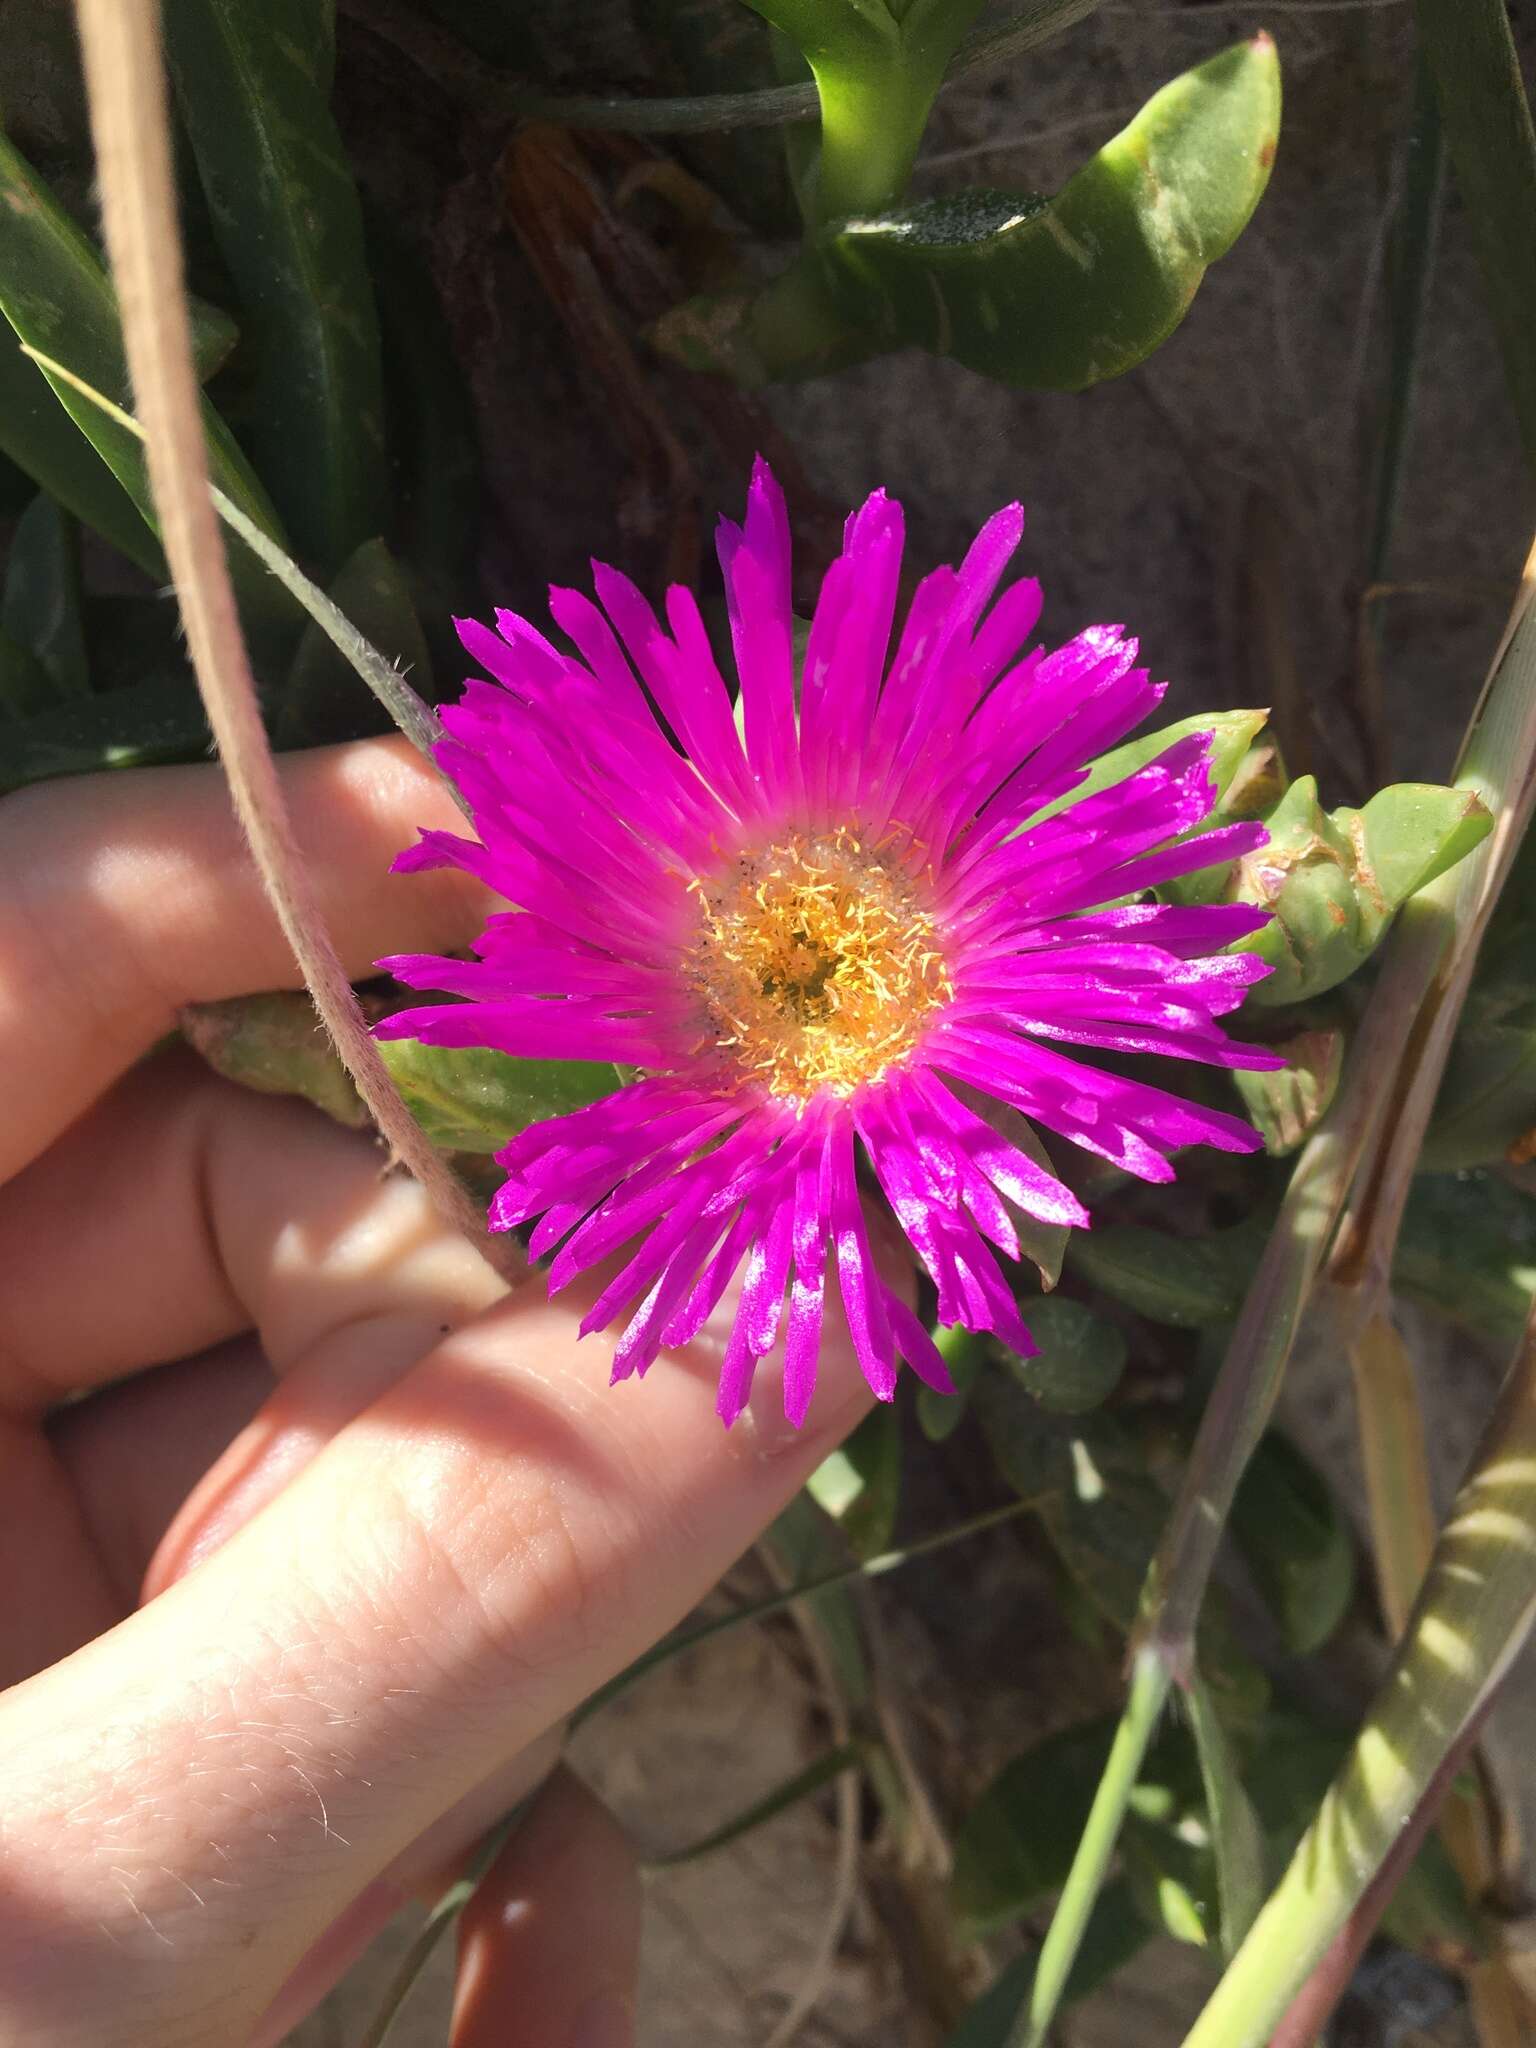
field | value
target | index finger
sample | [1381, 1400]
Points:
[127, 895]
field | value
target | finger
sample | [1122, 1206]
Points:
[129, 895]
[424, 1871]
[83, 1504]
[549, 1946]
[473, 1555]
[135, 1451]
[212, 1210]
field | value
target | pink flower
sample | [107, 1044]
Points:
[822, 924]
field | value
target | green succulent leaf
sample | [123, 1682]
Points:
[1296, 1542]
[1042, 294]
[1232, 736]
[1187, 1282]
[1080, 1360]
[466, 1099]
[252, 84]
[1288, 1103]
[320, 700]
[56, 296]
[877, 68]
[277, 1045]
[1334, 880]
[1059, 294]
[859, 1484]
[1288, 1770]
[40, 603]
[469, 1099]
[965, 1353]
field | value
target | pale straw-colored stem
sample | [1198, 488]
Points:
[125, 77]
[1472, 1617]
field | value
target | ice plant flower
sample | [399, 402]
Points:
[820, 921]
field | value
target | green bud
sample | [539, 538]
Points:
[1335, 879]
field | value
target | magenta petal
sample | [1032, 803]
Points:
[616, 780]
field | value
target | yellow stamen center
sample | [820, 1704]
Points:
[816, 963]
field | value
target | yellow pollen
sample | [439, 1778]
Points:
[816, 963]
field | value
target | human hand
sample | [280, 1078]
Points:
[290, 1620]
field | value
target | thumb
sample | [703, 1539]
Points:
[549, 1947]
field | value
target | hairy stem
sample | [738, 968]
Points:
[125, 77]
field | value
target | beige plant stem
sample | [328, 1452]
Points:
[1472, 1618]
[1402, 1522]
[125, 78]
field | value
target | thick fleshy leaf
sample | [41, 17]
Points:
[1286, 1773]
[1288, 1103]
[859, 1484]
[1296, 1542]
[321, 699]
[40, 604]
[877, 70]
[1051, 294]
[56, 296]
[466, 1100]
[252, 84]
[276, 1045]
[1232, 735]
[965, 1354]
[1080, 1360]
[1188, 1282]
[1060, 294]
[1334, 880]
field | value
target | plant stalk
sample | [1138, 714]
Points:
[125, 76]
[1471, 1619]
[1150, 1682]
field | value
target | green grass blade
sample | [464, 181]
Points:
[416, 720]
[55, 292]
[832, 1763]
[1492, 146]
[251, 86]
[1415, 238]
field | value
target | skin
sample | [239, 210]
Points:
[297, 1596]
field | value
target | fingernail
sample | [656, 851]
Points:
[608, 2022]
